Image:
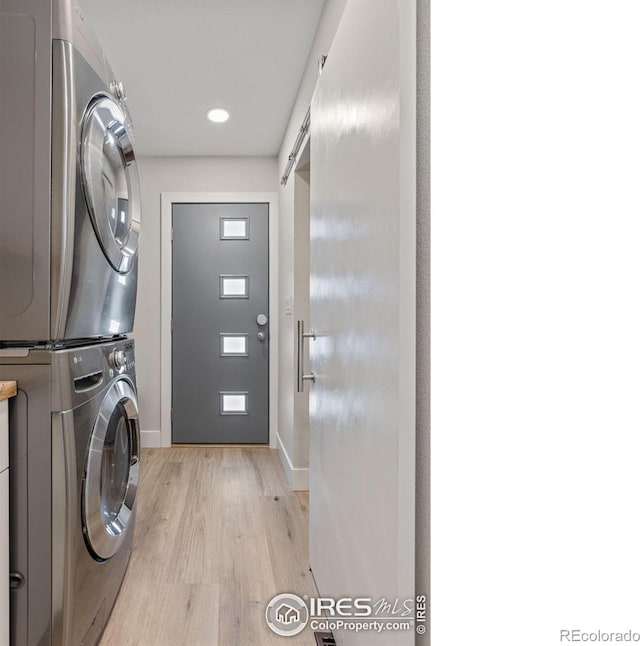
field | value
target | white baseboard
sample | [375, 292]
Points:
[151, 439]
[298, 478]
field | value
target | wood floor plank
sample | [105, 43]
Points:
[198, 539]
[286, 528]
[218, 535]
[247, 577]
[157, 522]
[167, 614]
[269, 474]
[303, 499]
[236, 457]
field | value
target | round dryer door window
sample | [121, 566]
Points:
[110, 181]
[112, 471]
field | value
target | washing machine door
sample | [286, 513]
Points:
[110, 181]
[112, 471]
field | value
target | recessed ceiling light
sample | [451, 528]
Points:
[217, 115]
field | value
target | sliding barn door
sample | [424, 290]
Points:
[362, 404]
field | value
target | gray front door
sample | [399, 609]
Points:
[220, 323]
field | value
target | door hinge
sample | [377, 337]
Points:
[172, 325]
[172, 416]
[171, 234]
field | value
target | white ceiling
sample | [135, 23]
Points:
[179, 58]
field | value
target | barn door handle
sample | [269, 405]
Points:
[302, 335]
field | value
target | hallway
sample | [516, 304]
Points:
[195, 505]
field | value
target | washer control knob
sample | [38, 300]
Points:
[118, 359]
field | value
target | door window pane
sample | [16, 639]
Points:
[233, 403]
[233, 345]
[234, 286]
[234, 229]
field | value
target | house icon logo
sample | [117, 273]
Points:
[287, 615]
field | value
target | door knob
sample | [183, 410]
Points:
[261, 336]
[262, 319]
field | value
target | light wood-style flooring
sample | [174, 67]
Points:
[218, 534]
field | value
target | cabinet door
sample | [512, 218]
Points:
[4, 557]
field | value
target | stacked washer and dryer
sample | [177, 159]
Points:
[69, 227]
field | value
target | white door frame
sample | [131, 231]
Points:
[166, 204]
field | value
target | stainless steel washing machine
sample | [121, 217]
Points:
[74, 468]
[70, 209]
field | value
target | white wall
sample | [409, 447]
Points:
[295, 441]
[302, 201]
[177, 174]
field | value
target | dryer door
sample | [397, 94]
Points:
[110, 181]
[112, 471]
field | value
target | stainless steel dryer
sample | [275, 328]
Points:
[70, 208]
[74, 467]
